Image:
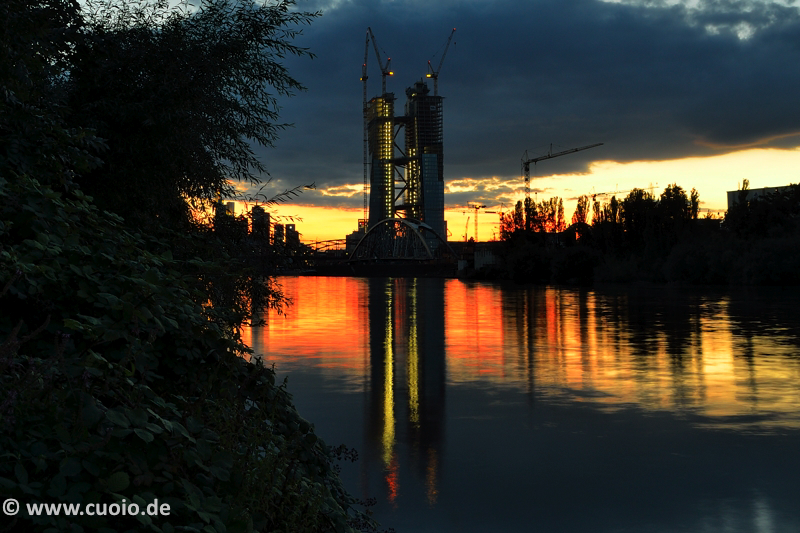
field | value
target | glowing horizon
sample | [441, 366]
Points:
[712, 176]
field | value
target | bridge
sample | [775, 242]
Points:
[401, 240]
[393, 247]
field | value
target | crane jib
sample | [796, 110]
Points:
[526, 163]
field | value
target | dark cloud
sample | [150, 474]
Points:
[651, 80]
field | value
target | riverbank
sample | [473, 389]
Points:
[708, 257]
[119, 385]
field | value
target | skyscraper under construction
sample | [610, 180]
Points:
[425, 166]
[417, 194]
[380, 120]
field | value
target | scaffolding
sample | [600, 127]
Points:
[424, 195]
[418, 192]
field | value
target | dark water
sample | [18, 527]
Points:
[484, 407]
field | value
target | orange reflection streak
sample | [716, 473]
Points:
[326, 323]
[392, 480]
[579, 344]
[473, 340]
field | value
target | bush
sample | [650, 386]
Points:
[770, 262]
[574, 265]
[119, 381]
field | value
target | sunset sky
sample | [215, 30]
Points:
[698, 93]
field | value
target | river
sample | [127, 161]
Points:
[482, 407]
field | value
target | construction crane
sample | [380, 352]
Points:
[499, 222]
[435, 73]
[476, 207]
[526, 163]
[385, 70]
[466, 230]
[366, 125]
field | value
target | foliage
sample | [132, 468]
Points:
[551, 214]
[642, 223]
[574, 264]
[674, 204]
[726, 259]
[694, 204]
[581, 210]
[629, 239]
[180, 97]
[775, 214]
[117, 378]
[36, 41]
[118, 382]
[513, 222]
[638, 216]
[610, 212]
[644, 238]
[546, 216]
[674, 209]
[527, 258]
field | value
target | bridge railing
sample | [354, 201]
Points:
[326, 246]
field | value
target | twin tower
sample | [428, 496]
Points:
[418, 193]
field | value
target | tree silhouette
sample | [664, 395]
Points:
[180, 97]
[581, 210]
[638, 213]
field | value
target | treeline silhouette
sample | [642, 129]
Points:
[644, 238]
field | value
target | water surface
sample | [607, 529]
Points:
[489, 407]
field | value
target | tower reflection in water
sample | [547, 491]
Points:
[405, 408]
[684, 401]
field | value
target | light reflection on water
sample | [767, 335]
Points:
[578, 343]
[446, 386]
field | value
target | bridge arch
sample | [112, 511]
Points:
[399, 240]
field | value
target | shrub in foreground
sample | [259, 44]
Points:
[117, 382]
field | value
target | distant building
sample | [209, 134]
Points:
[260, 223]
[733, 196]
[219, 209]
[292, 237]
[277, 235]
[226, 224]
[352, 240]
